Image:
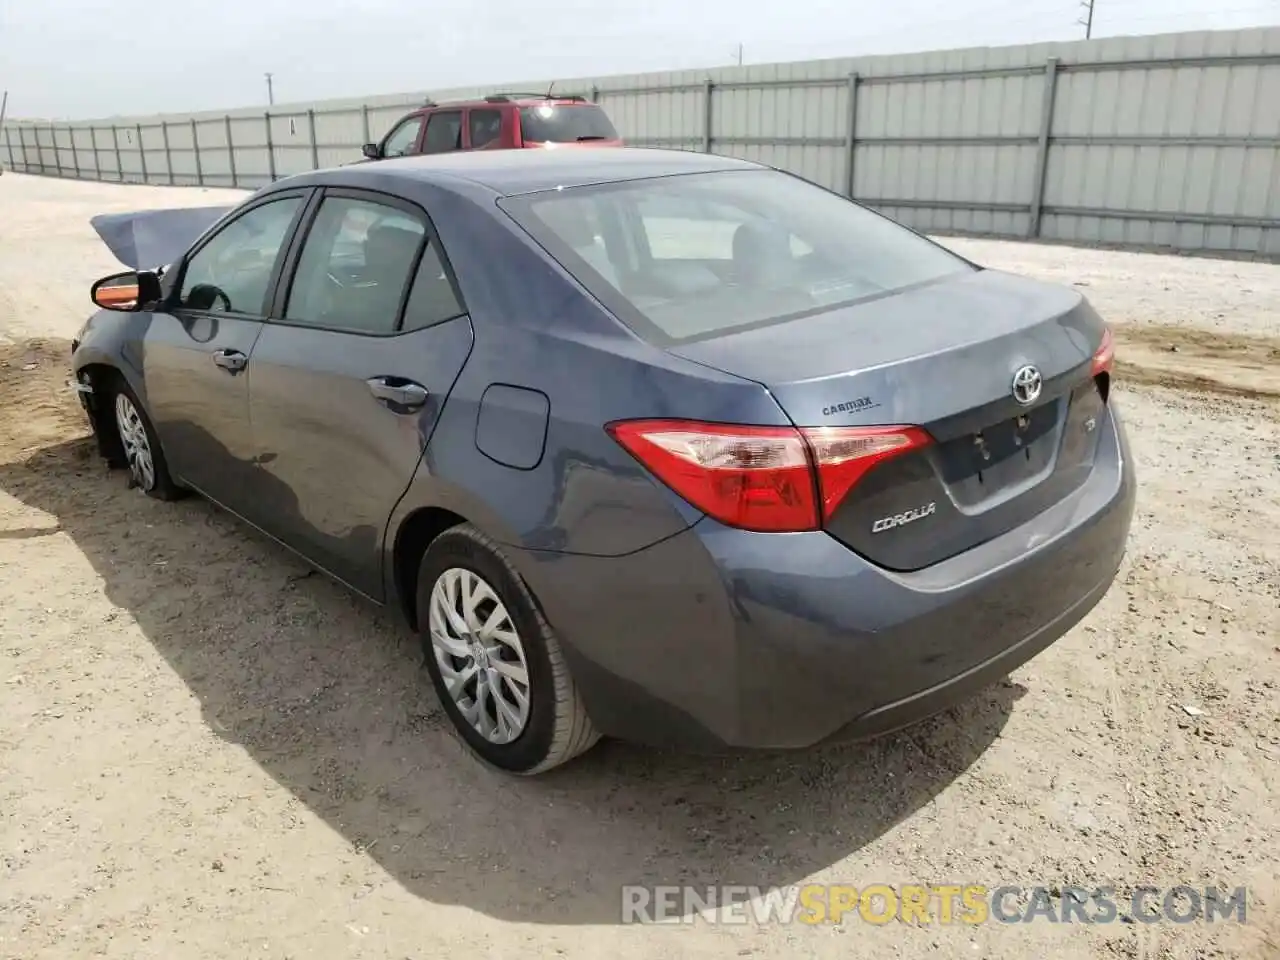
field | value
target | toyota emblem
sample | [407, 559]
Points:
[1027, 384]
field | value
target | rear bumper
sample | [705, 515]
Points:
[720, 638]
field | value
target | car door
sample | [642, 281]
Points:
[195, 355]
[346, 387]
[444, 132]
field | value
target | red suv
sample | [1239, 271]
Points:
[508, 121]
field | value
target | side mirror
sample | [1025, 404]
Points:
[371, 152]
[126, 292]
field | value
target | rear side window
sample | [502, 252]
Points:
[565, 123]
[483, 126]
[444, 132]
[432, 299]
[692, 256]
[354, 267]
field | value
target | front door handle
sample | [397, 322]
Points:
[232, 360]
[403, 393]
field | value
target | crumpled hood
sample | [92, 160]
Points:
[147, 239]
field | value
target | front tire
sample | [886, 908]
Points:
[148, 470]
[494, 661]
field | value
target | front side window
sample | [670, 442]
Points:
[444, 132]
[354, 267]
[696, 255]
[402, 140]
[232, 272]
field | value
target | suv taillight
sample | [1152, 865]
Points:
[767, 479]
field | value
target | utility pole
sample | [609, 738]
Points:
[739, 54]
[1087, 21]
[271, 94]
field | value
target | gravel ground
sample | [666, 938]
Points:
[207, 753]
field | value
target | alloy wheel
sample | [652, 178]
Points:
[137, 447]
[480, 656]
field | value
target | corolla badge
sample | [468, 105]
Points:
[901, 519]
[1027, 384]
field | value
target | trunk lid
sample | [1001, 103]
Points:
[942, 356]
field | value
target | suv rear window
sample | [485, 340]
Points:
[696, 255]
[565, 123]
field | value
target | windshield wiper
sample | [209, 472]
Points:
[592, 136]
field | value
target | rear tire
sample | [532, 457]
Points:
[494, 661]
[138, 443]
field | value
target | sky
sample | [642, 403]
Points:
[85, 59]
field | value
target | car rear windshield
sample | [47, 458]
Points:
[565, 123]
[694, 256]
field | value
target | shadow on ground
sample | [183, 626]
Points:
[328, 696]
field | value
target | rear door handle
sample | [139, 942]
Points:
[404, 393]
[232, 360]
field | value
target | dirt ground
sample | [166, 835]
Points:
[207, 753]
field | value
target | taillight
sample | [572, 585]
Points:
[756, 478]
[1104, 358]
[845, 454]
[767, 479]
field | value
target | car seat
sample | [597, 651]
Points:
[374, 303]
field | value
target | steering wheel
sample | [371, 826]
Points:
[205, 296]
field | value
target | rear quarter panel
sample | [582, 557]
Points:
[538, 330]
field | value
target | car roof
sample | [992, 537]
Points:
[512, 172]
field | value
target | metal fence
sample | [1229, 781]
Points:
[1166, 141]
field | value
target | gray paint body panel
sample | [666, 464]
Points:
[920, 356]
[200, 410]
[333, 461]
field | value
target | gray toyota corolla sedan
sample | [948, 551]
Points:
[649, 444]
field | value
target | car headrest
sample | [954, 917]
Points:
[390, 249]
[760, 251]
